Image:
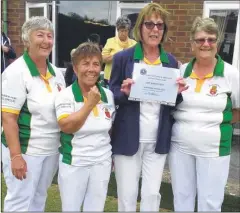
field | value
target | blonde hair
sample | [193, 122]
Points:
[207, 25]
[147, 11]
[72, 51]
[85, 50]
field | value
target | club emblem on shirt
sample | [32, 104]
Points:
[107, 113]
[213, 90]
[59, 87]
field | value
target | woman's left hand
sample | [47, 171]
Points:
[182, 86]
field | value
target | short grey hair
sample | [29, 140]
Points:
[123, 22]
[207, 25]
[33, 24]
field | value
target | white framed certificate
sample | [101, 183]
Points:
[154, 83]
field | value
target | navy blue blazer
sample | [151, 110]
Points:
[125, 130]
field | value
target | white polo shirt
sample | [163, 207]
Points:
[91, 143]
[149, 115]
[30, 95]
[202, 126]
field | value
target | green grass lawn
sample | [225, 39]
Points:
[231, 203]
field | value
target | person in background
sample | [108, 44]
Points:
[70, 76]
[31, 135]
[85, 112]
[95, 38]
[141, 131]
[116, 44]
[7, 52]
[202, 133]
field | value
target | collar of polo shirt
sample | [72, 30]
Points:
[138, 53]
[218, 70]
[32, 66]
[77, 92]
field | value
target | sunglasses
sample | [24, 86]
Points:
[202, 40]
[150, 25]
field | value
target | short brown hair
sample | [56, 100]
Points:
[86, 50]
[147, 11]
[207, 25]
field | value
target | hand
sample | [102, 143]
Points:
[110, 57]
[94, 97]
[19, 168]
[5, 49]
[181, 85]
[126, 86]
[107, 58]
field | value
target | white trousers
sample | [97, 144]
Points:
[128, 170]
[191, 175]
[29, 194]
[84, 185]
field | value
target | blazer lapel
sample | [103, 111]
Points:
[129, 67]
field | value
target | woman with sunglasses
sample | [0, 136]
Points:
[202, 133]
[141, 132]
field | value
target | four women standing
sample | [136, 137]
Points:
[197, 131]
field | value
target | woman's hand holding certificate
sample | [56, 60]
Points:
[126, 86]
[155, 84]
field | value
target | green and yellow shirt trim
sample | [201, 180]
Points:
[80, 98]
[34, 71]
[139, 55]
[218, 70]
[200, 81]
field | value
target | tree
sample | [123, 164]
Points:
[75, 16]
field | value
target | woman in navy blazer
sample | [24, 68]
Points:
[142, 131]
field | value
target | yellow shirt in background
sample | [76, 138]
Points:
[113, 46]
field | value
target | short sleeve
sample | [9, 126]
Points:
[182, 69]
[107, 48]
[64, 106]
[111, 105]
[234, 86]
[59, 77]
[14, 91]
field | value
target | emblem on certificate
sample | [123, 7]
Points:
[154, 83]
[143, 71]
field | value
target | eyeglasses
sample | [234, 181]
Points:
[150, 25]
[202, 40]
